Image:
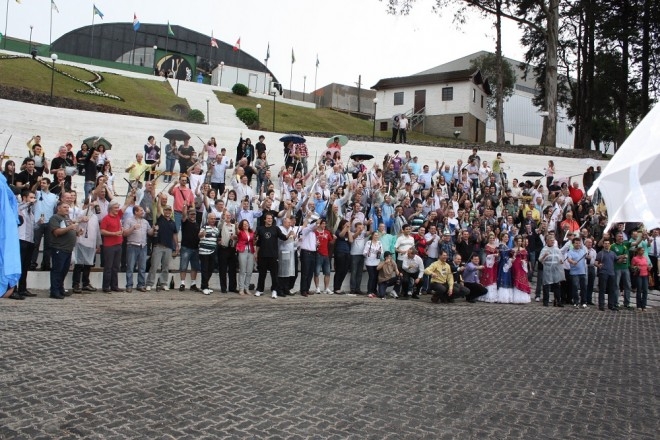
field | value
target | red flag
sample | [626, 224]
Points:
[213, 42]
[237, 46]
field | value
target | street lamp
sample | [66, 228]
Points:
[53, 57]
[273, 91]
[222, 67]
[30, 46]
[373, 133]
[207, 111]
[155, 49]
[258, 114]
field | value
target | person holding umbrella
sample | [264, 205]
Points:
[170, 159]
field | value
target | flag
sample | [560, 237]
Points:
[317, 60]
[268, 52]
[293, 57]
[17, 1]
[237, 46]
[213, 42]
[170, 32]
[1, 36]
[54, 6]
[136, 23]
[96, 11]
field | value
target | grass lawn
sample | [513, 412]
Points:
[292, 118]
[144, 96]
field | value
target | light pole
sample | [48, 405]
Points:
[373, 133]
[53, 57]
[30, 46]
[207, 112]
[273, 90]
[258, 115]
[155, 49]
[222, 67]
[304, 81]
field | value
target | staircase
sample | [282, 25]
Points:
[416, 119]
[197, 95]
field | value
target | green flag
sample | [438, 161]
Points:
[170, 32]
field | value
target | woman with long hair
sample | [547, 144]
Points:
[170, 160]
[504, 278]
[110, 177]
[373, 251]
[102, 158]
[261, 164]
[231, 204]
[342, 253]
[81, 158]
[245, 249]
[9, 172]
[521, 287]
[550, 173]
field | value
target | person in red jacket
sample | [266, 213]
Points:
[575, 192]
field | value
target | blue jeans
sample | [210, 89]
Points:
[177, 220]
[382, 287]
[89, 186]
[642, 291]
[189, 256]
[357, 263]
[169, 168]
[136, 254]
[625, 274]
[607, 285]
[60, 261]
[579, 282]
[427, 279]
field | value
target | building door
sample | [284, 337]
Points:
[420, 100]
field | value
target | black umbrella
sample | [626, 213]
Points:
[177, 135]
[362, 156]
[296, 139]
[95, 141]
[533, 174]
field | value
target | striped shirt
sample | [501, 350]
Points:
[209, 241]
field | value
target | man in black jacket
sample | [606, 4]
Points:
[266, 247]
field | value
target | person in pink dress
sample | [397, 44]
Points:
[641, 266]
[489, 273]
[521, 287]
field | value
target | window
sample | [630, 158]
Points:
[398, 98]
[458, 121]
[383, 126]
[482, 101]
[447, 93]
[474, 95]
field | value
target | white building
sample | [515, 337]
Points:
[522, 122]
[449, 104]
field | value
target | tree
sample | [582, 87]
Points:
[487, 64]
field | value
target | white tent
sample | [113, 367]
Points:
[630, 184]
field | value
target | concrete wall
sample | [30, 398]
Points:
[343, 97]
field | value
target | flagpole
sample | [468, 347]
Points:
[291, 82]
[133, 51]
[50, 34]
[91, 46]
[4, 39]
[238, 60]
[265, 74]
[316, 72]
[167, 37]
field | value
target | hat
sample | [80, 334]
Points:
[387, 254]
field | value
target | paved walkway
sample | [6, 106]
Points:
[220, 115]
[185, 366]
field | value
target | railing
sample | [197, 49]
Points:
[416, 118]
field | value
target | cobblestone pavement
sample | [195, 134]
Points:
[185, 366]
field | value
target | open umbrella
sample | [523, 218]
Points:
[629, 183]
[589, 162]
[177, 135]
[533, 174]
[95, 141]
[296, 139]
[343, 140]
[362, 156]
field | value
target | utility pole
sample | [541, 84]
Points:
[359, 86]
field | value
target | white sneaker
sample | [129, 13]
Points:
[584, 306]
[537, 299]
[257, 293]
[329, 292]
[318, 290]
[165, 288]
[207, 291]
[148, 288]
[273, 295]
[393, 294]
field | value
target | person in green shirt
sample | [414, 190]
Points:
[497, 168]
[622, 267]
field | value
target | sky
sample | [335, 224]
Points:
[351, 37]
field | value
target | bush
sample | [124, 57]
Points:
[196, 116]
[240, 89]
[247, 115]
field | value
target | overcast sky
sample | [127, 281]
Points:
[351, 37]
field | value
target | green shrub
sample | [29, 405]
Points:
[195, 115]
[247, 115]
[240, 89]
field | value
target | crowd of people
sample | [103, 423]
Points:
[447, 230]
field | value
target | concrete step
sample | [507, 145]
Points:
[196, 94]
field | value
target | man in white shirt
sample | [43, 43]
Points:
[403, 242]
[220, 166]
[358, 240]
[426, 176]
[242, 189]
[413, 271]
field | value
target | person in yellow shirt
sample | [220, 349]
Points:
[442, 280]
[136, 170]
